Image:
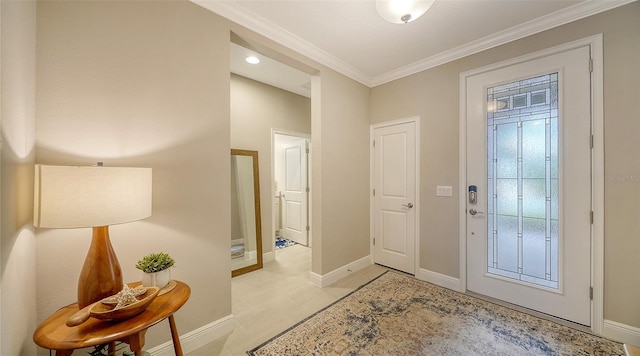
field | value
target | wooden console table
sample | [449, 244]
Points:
[54, 334]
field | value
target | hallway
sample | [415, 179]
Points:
[268, 301]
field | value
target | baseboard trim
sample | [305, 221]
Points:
[268, 256]
[339, 273]
[621, 332]
[440, 279]
[315, 279]
[198, 337]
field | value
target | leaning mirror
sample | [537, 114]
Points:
[246, 231]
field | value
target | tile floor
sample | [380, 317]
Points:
[268, 301]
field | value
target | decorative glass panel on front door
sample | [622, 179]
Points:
[522, 171]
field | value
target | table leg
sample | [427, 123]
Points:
[111, 349]
[175, 336]
[136, 342]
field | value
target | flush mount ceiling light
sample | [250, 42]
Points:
[252, 60]
[402, 11]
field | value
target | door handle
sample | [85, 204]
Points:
[474, 212]
[408, 206]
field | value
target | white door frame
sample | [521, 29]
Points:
[597, 242]
[416, 121]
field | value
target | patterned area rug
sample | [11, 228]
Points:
[399, 315]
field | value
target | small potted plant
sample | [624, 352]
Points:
[156, 268]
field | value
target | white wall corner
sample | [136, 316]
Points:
[440, 280]
[268, 257]
[197, 338]
[339, 273]
[621, 332]
[315, 279]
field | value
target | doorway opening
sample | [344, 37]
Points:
[272, 95]
[292, 186]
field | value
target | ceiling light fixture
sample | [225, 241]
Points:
[402, 11]
[252, 60]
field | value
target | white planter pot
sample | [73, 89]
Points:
[156, 279]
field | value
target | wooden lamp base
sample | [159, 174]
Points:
[101, 275]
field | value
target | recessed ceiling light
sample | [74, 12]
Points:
[252, 60]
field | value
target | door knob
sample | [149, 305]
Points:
[408, 206]
[474, 212]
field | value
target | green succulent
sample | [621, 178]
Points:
[155, 262]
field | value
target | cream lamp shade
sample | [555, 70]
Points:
[402, 11]
[73, 197]
[68, 197]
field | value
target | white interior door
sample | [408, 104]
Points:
[529, 155]
[295, 193]
[394, 180]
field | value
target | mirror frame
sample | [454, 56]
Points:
[256, 200]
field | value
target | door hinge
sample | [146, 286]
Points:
[591, 141]
[374, 192]
[374, 241]
[306, 150]
[374, 143]
[308, 190]
[591, 216]
[308, 228]
[591, 293]
[590, 65]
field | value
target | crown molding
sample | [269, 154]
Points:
[555, 19]
[276, 33]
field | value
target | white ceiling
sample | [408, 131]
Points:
[269, 71]
[351, 38]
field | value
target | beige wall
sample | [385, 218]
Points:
[17, 241]
[256, 108]
[341, 186]
[434, 95]
[148, 84]
[140, 84]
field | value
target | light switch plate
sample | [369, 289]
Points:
[444, 191]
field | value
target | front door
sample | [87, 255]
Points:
[529, 167]
[394, 200]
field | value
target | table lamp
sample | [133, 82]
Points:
[68, 197]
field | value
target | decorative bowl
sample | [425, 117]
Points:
[107, 311]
